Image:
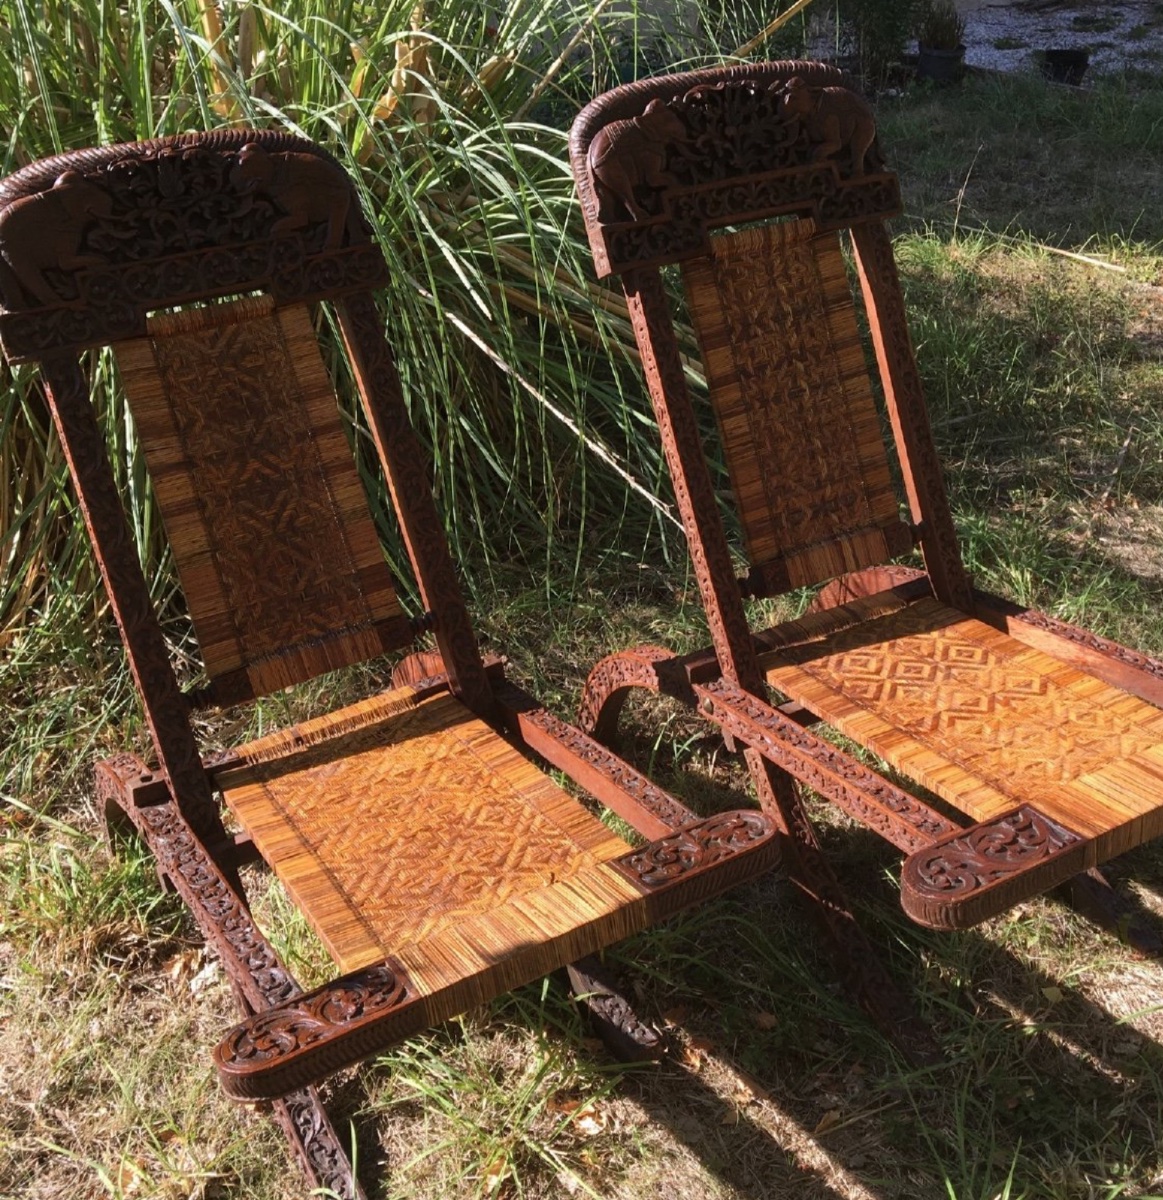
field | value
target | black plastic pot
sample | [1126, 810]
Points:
[1065, 66]
[940, 66]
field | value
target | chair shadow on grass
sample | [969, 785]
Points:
[790, 1091]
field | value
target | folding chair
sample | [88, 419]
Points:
[436, 860]
[1044, 741]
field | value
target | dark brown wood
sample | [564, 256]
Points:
[126, 785]
[123, 231]
[285, 1047]
[1092, 895]
[166, 710]
[979, 872]
[899, 818]
[403, 462]
[650, 190]
[910, 419]
[610, 779]
[611, 1015]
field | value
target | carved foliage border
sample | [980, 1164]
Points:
[898, 817]
[969, 876]
[312, 1035]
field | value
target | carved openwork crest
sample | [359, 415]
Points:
[657, 170]
[91, 241]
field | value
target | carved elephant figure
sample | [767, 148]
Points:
[44, 232]
[627, 155]
[308, 190]
[834, 119]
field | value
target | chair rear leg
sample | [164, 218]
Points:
[1093, 896]
[857, 961]
[611, 1014]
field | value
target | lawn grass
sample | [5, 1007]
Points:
[1044, 375]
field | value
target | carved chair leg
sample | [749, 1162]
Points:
[610, 1013]
[1092, 895]
[316, 1145]
[119, 785]
[858, 963]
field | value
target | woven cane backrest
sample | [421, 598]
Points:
[663, 168]
[277, 554]
[790, 387]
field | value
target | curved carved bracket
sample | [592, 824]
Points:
[659, 162]
[981, 871]
[284, 1048]
[609, 683]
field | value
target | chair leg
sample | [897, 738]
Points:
[856, 960]
[301, 1115]
[316, 1145]
[611, 1015]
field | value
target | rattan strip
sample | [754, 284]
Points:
[278, 557]
[983, 720]
[789, 383]
[393, 822]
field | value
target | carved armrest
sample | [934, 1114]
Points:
[981, 871]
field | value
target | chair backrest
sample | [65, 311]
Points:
[660, 166]
[198, 258]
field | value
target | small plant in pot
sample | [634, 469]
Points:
[940, 50]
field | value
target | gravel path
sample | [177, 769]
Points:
[1119, 34]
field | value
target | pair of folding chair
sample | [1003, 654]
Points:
[436, 860]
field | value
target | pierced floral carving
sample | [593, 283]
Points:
[695, 848]
[121, 231]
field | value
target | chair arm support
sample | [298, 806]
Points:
[981, 871]
[299, 1042]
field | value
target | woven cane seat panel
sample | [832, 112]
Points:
[413, 829]
[279, 560]
[983, 720]
[789, 384]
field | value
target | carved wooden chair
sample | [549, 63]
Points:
[436, 860]
[1044, 741]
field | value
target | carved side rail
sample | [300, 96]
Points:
[92, 240]
[702, 860]
[907, 822]
[334, 1026]
[645, 806]
[126, 785]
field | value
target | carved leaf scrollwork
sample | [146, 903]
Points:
[695, 848]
